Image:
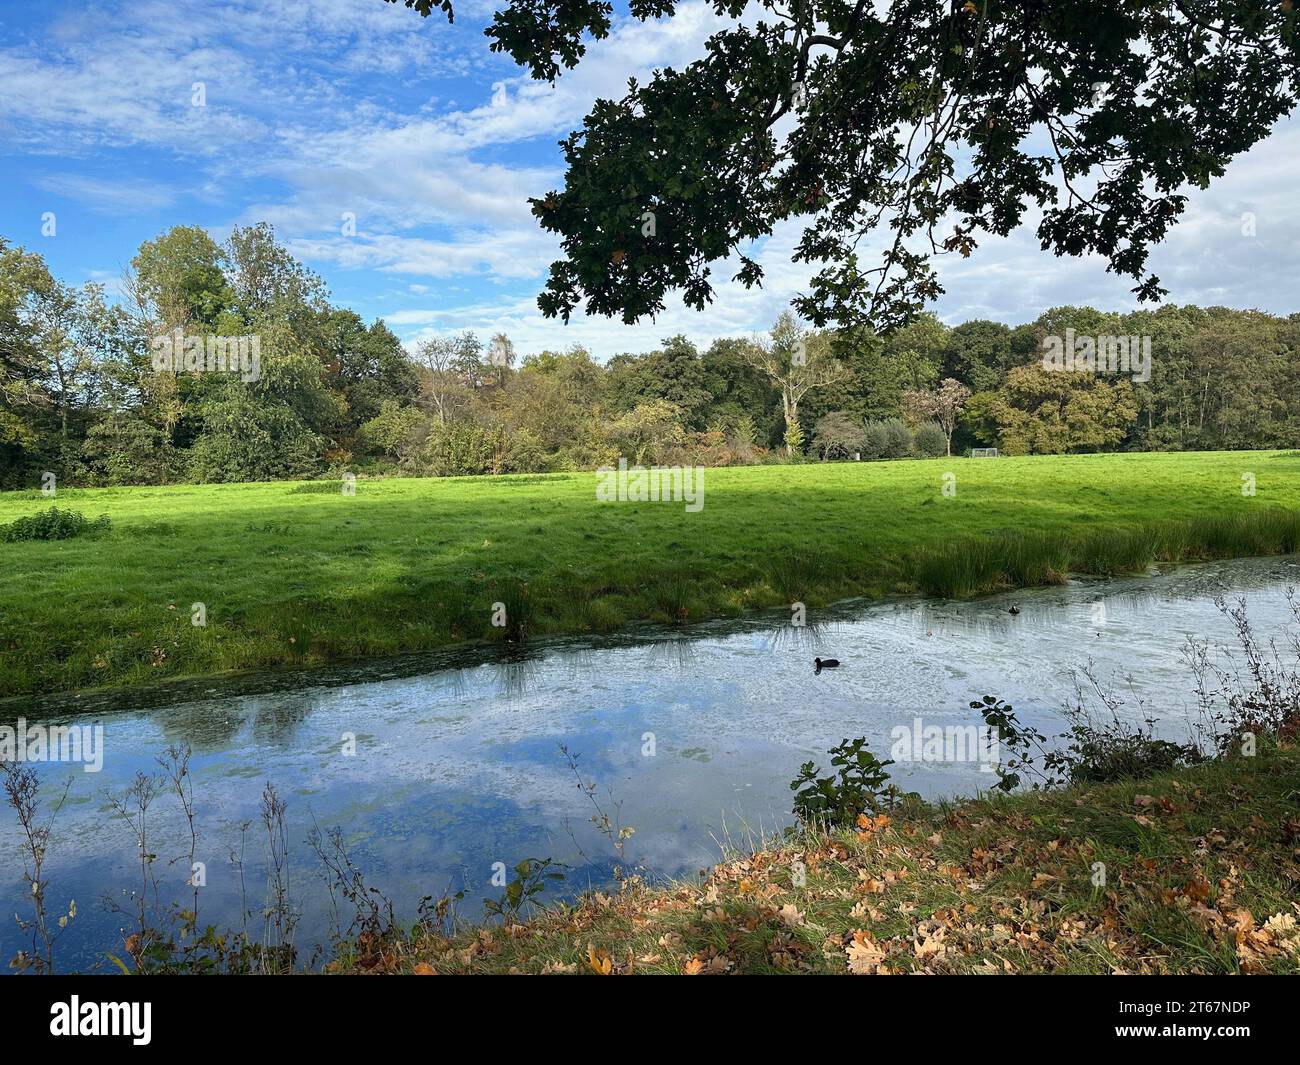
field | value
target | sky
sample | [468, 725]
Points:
[122, 119]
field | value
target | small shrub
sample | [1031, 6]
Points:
[859, 786]
[54, 524]
[1112, 752]
[838, 435]
[1027, 747]
[929, 441]
[888, 439]
[1255, 692]
[531, 877]
[1093, 753]
[794, 438]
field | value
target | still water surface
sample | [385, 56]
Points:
[458, 763]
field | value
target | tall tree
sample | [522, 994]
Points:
[1038, 412]
[264, 276]
[927, 124]
[795, 361]
[443, 363]
[943, 406]
[178, 279]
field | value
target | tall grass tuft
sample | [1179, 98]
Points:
[1037, 558]
[1109, 552]
[520, 612]
[964, 568]
[796, 575]
[672, 596]
[1011, 559]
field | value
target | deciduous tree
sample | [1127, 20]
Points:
[795, 361]
[925, 125]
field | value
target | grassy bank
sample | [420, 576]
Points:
[1200, 875]
[296, 575]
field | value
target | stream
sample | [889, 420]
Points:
[436, 767]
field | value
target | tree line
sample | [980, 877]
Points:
[82, 395]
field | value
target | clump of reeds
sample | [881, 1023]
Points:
[1010, 559]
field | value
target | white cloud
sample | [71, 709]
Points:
[315, 110]
[1206, 259]
[111, 195]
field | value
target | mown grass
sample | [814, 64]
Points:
[297, 576]
[1189, 872]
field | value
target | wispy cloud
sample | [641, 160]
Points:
[239, 110]
[111, 195]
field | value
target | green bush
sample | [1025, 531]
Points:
[54, 524]
[125, 450]
[525, 453]
[859, 786]
[462, 450]
[1114, 751]
[888, 439]
[929, 441]
[1093, 753]
[246, 440]
[838, 435]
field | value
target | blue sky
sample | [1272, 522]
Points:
[325, 108]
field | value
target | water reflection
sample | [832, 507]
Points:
[696, 732]
[515, 674]
[678, 653]
[811, 639]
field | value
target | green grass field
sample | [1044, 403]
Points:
[297, 575]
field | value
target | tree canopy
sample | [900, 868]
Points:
[920, 124]
[80, 396]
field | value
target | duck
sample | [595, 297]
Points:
[824, 663]
[1014, 610]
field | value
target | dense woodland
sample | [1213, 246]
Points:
[80, 395]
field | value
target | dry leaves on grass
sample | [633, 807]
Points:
[1285, 933]
[599, 961]
[872, 824]
[929, 940]
[865, 955]
[1279, 936]
[708, 962]
[865, 909]
[791, 915]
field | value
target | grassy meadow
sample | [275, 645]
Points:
[294, 574]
